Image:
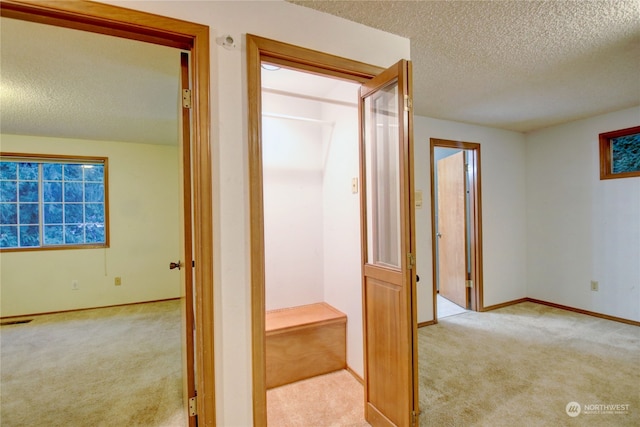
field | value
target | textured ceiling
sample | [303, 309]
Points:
[517, 65]
[65, 83]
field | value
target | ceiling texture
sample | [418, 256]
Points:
[515, 65]
[66, 83]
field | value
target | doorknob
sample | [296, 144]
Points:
[177, 265]
[439, 235]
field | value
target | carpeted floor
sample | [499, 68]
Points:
[519, 365]
[118, 366]
[516, 366]
[523, 364]
[335, 399]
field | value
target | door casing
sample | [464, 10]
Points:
[260, 49]
[135, 25]
[475, 233]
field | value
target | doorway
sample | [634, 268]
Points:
[312, 243]
[456, 221]
[115, 21]
[388, 284]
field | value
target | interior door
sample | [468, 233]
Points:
[452, 242]
[391, 397]
[186, 265]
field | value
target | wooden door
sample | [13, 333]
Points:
[388, 248]
[186, 266]
[452, 241]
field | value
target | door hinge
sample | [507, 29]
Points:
[414, 418]
[186, 98]
[408, 103]
[411, 261]
[193, 410]
[469, 283]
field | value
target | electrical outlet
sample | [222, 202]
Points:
[74, 285]
[118, 281]
[594, 286]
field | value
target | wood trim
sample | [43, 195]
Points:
[581, 311]
[478, 278]
[550, 304]
[428, 323]
[355, 375]
[87, 308]
[136, 25]
[605, 153]
[409, 118]
[55, 158]
[364, 243]
[477, 295]
[103, 19]
[256, 209]
[505, 304]
[189, 386]
[562, 307]
[260, 49]
[313, 61]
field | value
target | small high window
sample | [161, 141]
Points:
[52, 202]
[620, 153]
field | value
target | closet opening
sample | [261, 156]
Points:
[312, 247]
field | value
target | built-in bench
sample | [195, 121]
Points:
[304, 341]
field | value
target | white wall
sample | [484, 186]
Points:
[503, 209]
[579, 227]
[144, 235]
[288, 23]
[312, 218]
[293, 200]
[342, 250]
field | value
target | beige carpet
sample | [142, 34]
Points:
[118, 366]
[521, 366]
[335, 399]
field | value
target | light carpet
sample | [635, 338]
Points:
[118, 366]
[521, 365]
[330, 400]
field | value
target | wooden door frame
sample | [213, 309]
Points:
[475, 234]
[135, 25]
[261, 49]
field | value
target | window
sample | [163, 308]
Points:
[52, 202]
[620, 153]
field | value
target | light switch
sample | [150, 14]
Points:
[418, 199]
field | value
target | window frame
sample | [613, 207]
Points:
[606, 166]
[63, 158]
